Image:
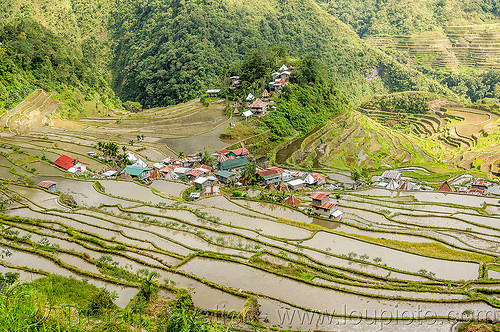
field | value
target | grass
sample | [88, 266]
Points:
[435, 250]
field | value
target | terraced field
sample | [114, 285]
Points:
[386, 257]
[187, 128]
[468, 46]
[446, 141]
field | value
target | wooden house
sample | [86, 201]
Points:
[259, 107]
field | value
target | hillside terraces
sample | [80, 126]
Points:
[31, 113]
[442, 141]
[472, 46]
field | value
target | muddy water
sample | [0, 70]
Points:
[194, 144]
[361, 267]
[78, 262]
[487, 221]
[130, 190]
[445, 223]
[261, 225]
[6, 174]
[277, 211]
[37, 196]
[331, 225]
[25, 213]
[5, 162]
[169, 187]
[448, 270]
[316, 298]
[43, 168]
[85, 195]
[394, 293]
[222, 202]
[278, 314]
[492, 274]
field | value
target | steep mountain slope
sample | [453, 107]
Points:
[398, 17]
[162, 52]
[168, 51]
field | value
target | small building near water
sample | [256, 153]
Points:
[139, 173]
[322, 206]
[49, 185]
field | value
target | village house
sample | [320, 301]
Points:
[181, 171]
[202, 182]
[49, 185]
[388, 176]
[277, 84]
[240, 152]
[478, 187]
[265, 94]
[270, 175]
[71, 165]
[322, 206]
[234, 82]
[259, 107]
[211, 190]
[250, 97]
[319, 178]
[226, 177]
[138, 173]
[237, 164]
[247, 114]
[168, 173]
[296, 184]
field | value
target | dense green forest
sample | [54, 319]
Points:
[34, 57]
[161, 52]
[400, 17]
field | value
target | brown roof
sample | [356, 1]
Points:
[125, 176]
[265, 94]
[319, 195]
[266, 172]
[292, 200]
[155, 174]
[445, 187]
[258, 104]
[46, 184]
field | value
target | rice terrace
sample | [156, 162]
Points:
[251, 165]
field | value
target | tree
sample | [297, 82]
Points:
[149, 282]
[249, 173]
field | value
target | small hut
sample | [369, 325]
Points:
[445, 187]
[292, 200]
[265, 94]
[271, 187]
[125, 176]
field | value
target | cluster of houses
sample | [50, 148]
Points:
[475, 187]
[392, 180]
[278, 178]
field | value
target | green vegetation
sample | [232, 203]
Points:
[399, 17]
[408, 102]
[34, 57]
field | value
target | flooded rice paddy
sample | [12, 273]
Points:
[258, 248]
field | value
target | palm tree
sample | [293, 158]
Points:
[149, 286]
[180, 154]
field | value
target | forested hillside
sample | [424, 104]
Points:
[401, 17]
[161, 52]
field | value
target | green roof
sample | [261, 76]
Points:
[233, 163]
[135, 171]
[225, 174]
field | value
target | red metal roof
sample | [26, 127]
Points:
[66, 162]
[328, 205]
[479, 183]
[292, 200]
[317, 176]
[206, 167]
[240, 151]
[277, 169]
[266, 172]
[195, 172]
[319, 195]
[223, 151]
[258, 104]
[46, 184]
[476, 191]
